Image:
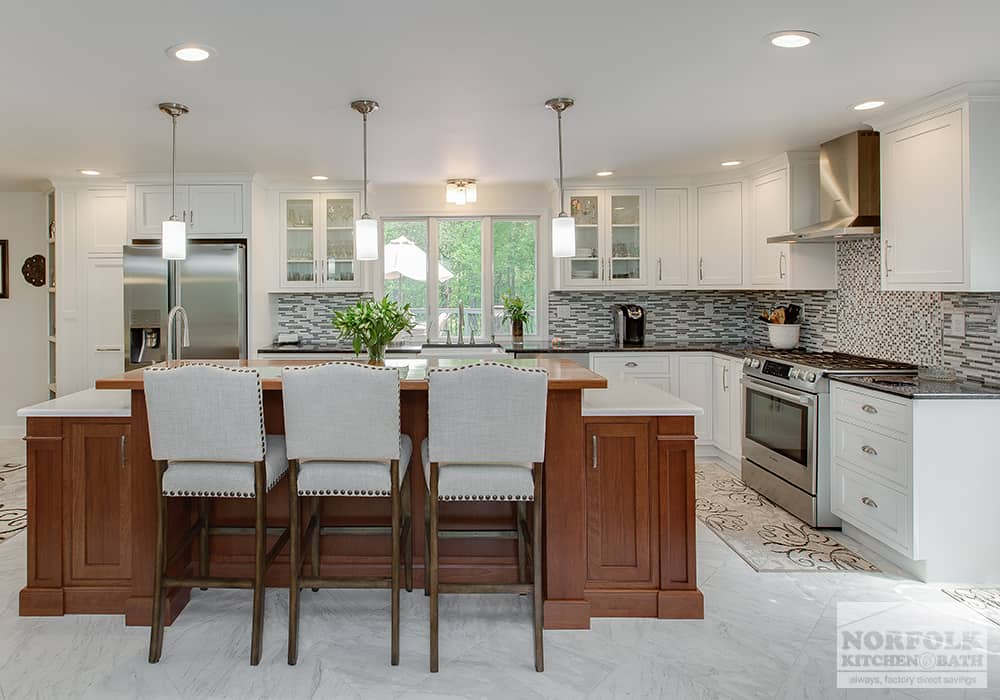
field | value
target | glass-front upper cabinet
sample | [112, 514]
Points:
[317, 242]
[610, 238]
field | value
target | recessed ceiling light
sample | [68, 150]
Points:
[730, 163]
[792, 38]
[870, 104]
[605, 173]
[191, 53]
[320, 177]
[89, 172]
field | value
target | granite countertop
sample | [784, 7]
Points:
[538, 346]
[89, 402]
[916, 388]
[401, 349]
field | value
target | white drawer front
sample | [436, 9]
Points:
[882, 512]
[614, 364]
[869, 408]
[872, 452]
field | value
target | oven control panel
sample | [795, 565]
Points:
[776, 369]
[796, 376]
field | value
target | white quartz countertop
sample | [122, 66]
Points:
[89, 402]
[625, 397]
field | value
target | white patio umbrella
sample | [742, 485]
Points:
[404, 258]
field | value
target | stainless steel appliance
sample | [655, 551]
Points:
[786, 425]
[211, 286]
[849, 191]
[629, 323]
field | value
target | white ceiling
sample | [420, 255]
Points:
[662, 87]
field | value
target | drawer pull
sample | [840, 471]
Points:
[631, 364]
[594, 451]
[869, 502]
[124, 451]
[868, 408]
[869, 450]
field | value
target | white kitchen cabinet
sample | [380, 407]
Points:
[693, 382]
[651, 368]
[210, 210]
[785, 199]
[722, 414]
[720, 235]
[670, 238]
[105, 317]
[610, 239]
[317, 241]
[940, 166]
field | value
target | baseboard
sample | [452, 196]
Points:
[11, 432]
[711, 453]
[910, 566]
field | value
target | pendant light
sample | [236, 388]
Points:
[173, 233]
[365, 228]
[563, 225]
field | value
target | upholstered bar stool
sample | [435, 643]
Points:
[206, 434]
[343, 438]
[486, 442]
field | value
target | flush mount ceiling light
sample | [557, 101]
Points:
[320, 177]
[460, 192]
[869, 104]
[730, 163]
[792, 38]
[563, 225]
[365, 228]
[191, 53]
[86, 171]
[173, 233]
[605, 173]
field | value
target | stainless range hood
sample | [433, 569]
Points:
[848, 191]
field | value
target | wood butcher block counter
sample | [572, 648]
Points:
[619, 536]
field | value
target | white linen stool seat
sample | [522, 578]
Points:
[486, 442]
[206, 434]
[342, 438]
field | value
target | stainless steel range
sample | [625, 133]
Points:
[786, 425]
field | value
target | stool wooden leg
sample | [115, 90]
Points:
[295, 544]
[156, 626]
[536, 561]
[314, 545]
[522, 546]
[433, 547]
[260, 538]
[396, 516]
[407, 535]
[427, 541]
[203, 508]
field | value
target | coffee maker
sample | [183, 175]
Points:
[629, 324]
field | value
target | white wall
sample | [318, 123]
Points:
[24, 316]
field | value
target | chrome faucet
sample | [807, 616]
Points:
[185, 338]
[461, 323]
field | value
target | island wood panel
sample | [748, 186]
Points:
[43, 594]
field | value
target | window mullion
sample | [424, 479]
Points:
[433, 332]
[486, 229]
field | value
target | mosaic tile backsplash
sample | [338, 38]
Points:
[309, 315]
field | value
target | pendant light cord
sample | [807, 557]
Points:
[562, 193]
[364, 163]
[173, 168]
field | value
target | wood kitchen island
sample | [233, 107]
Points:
[619, 508]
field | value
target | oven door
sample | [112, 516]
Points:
[779, 431]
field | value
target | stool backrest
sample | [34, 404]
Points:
[341, 411]
[487, 413]
[201, 412]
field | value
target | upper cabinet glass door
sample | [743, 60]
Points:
[625, 250]
[299, 250]
[586, 266]
[338, 238]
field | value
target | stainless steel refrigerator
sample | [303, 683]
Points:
[211, 286]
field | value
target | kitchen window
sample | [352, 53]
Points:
[435, 263]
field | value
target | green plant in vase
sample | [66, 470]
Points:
[515, 314]
[372, 325]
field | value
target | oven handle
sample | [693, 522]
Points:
[804, 399]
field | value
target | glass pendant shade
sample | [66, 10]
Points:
[451, 193]
[470, 193]
[563, 236]
[366, 239]
[174, 240]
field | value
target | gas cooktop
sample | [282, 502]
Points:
[834, 362]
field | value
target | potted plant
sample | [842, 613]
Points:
[515, 313]
[373, 325]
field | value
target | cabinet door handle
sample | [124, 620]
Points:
[868, 408]
[869, 450]
[659, 269]
[869, 502]
[781, 266]
[888, 247]
[593, 451]
[631, 364]
[602, 268]
[191, 217]
[725, 379]
[107, 348]
[701, 269]
[124, 451]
